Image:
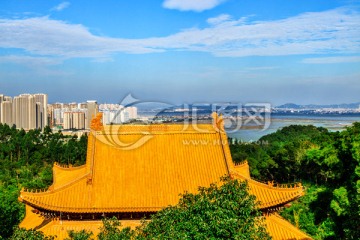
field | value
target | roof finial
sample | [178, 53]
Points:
[218, 122]
[96, 122]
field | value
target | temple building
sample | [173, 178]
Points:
[133, 171]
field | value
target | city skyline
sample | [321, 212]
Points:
[32, 111]
[182, 51]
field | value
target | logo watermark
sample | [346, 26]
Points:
[232, 117]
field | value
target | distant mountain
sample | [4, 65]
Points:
[290, 105]
[315, 106]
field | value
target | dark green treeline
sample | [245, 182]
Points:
[26, 160]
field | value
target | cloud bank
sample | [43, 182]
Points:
[192, 5]
[330, 60]
[329, 32]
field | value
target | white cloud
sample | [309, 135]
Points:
[331, 60]
[40, 65]
[43, 36]
[61, 6]
[30, 60]
[329, 32]
[219, 19]
[335, 31]
[192, 5]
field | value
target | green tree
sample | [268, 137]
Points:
[80, 235]
[10, 210]
[111, 231]
[21, 234]
[26, 160]
[224, 211]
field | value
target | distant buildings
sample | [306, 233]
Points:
[117, 114]
[77, 116]
[69, 116]
[74, 120]
[32, 111]
[27, 111]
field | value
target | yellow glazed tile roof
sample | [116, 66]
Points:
[243, 169]
[146, 178]
[280, 229]
[60, 229]
[64, 175]
[144, 168]
[270, 194]
[31, 219]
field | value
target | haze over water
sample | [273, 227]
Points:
[333, 123]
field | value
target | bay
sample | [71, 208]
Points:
[331, 122]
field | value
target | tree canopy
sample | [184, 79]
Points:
[26, 160]
[227, 211]
[329, 165]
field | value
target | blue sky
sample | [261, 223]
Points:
[182, 51]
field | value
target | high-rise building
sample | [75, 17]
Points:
[6, 113]
[24, 112]
[74, 120]
[92, 110]
[39, 110]
[82, 105]
[7, 98]
[57, 119]
[1, 99]
[115, 116]
[6, 110]
[43, 114]
[78, 120]
[67, 120]
[132, 112]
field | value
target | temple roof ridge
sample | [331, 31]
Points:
[282, 229]
[69, 184]
[271, 184]
[68, 167]
[268, 195]
[241, 163]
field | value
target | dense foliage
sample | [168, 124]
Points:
[110, 230]
[26, 160]
[327, 162]
[81, 235]
[20, 234]
[225, 212]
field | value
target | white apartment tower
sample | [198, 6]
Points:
[132, 112]
[42, 99]
[6, 113]
[24, 112]
[74, 120]
[1, 100]
[92, 110]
